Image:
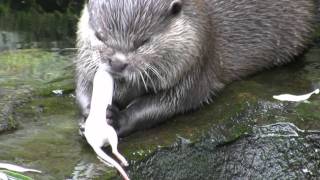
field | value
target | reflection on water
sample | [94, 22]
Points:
[9, 40]
[19, 40]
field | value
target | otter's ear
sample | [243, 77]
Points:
[175, 7]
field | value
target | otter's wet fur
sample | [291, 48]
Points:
[179, 53]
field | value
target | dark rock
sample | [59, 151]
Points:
[277, 151]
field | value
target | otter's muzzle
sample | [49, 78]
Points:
[117, 62]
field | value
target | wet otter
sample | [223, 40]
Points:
[171, 56]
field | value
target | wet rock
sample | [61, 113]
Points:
[28, 73]
[10, 101]
[277, 151]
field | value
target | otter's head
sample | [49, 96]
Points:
[150, 41]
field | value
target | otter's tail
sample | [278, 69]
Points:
[109, 161]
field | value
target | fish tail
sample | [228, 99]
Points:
[108, 160]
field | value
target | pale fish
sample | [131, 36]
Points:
[295, 98]
[96, 129]
[17, 168]
[3, 176]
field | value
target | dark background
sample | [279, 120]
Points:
[42, 6]
[41, 20]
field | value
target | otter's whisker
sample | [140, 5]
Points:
[161, 69]
[144, 82]
[151, 80]
[136, 79]
[154, 70]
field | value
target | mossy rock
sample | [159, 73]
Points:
[25, 74]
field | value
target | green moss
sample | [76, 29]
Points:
[309, 111]
[12, 122]
[41, 70]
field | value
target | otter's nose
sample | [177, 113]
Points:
[117, 65]
[117, 61]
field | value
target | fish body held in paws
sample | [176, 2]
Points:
[96, 129]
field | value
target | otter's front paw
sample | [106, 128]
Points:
[112, 112]
[82, 121]
[118, 120]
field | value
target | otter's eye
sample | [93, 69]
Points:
[98, 36]
[175, 7]
[138, 44]
[145, 41]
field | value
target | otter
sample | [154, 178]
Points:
[168, 57]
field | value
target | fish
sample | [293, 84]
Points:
[3, 176]
[295, 98]
[17, 168]
[97, 131]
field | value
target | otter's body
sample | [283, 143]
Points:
[171, 56]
